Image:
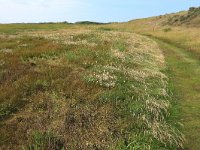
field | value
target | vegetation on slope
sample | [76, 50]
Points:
[183, 36]
[190, 18]
[181, 43]
[84, 89]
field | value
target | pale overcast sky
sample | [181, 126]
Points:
[12, 11]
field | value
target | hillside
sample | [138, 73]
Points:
[184, 34]
[178, 36]
[189, 18]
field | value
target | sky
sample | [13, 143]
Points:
[33, 11]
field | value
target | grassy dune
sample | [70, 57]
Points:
[180, 29]
[181, 46]
[80, 87]
[182, 36]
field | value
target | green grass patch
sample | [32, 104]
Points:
[184, 70]
[41, 141]
[92, 89]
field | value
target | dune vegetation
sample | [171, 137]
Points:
[100, 86]
[178, 37]
[182, 31]
[84, 89]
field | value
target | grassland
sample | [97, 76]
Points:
[88, 86]
[83, 87]
[185, 78]
[181, 46]
[184, 37]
